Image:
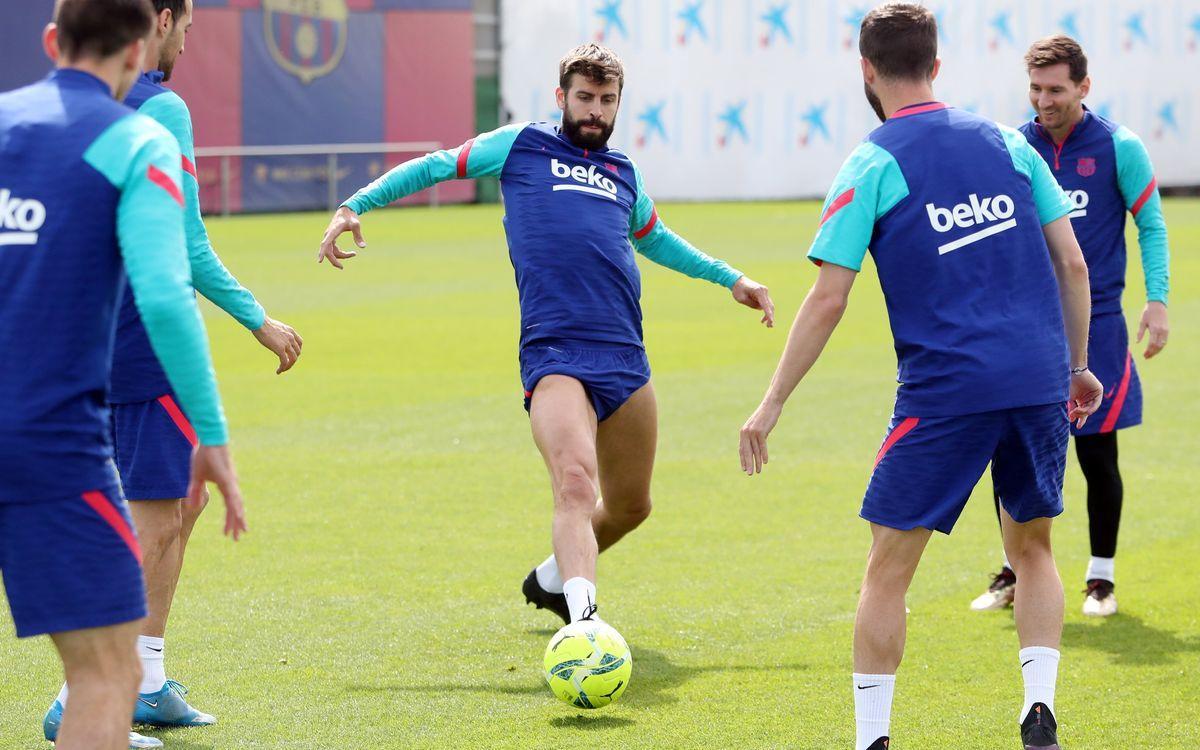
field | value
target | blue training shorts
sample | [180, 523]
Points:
[153, 442]
[72, 563]
[609, 375]
[927, 467]
[1111, 361]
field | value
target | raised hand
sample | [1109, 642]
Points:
[343, 221]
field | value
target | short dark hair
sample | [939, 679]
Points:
[594, 62]
[100, 28]
[175, 6]
[1057, 49]
[900, 40]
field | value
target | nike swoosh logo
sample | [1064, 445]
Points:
[865, 687]
[1023, 664]
[1110, 393]
[157, 650]
[148, 703]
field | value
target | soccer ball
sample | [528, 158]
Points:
[588, 664]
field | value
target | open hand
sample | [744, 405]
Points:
[752, 447]
[343, 221]
[1086, 394]
[754, 295]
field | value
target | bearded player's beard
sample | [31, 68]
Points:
[573, 129]
[873, 100]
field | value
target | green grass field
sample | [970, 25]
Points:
[396, 502]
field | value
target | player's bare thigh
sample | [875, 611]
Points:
[563, 423]
[625, 446]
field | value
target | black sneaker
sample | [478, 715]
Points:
[1039, 731]
[543, 599]
[879, 744]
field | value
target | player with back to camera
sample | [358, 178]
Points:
[987, 296]
[96, 192]
[151, 434]
[1106, 170]
[575, 212]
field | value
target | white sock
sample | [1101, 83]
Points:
[1007, 564]
[581, 595]
[872, 707]
[1101, 568]
[62, 695]
[1039, 667]
[154, 675]
[548, 576]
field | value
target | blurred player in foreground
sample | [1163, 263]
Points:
[979, 267]
[1106, 171]
[575, 212]
[89, 190]
[152, 435]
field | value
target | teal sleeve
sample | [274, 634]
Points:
[1049, 197]
[482, 156]
[141, 159]
[868, 185]
[1135, 178]
[654, 240]
[209, 275]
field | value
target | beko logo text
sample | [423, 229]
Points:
[19, 219]
[996, 212]
[1079, 202]
[591, 180]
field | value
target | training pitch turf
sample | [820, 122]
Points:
[396, 502]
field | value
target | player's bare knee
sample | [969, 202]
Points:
[190, 512]
[576, 489]
[633, 513]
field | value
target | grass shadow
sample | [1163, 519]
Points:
[591, 723]
[1129, 640]
[656, 677]
[183, 738]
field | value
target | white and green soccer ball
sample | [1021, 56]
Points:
[588, 664]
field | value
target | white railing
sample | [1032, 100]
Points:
[331, 151]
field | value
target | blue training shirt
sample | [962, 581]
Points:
[951, 207]
[1106, 171]
[572, 218]
[86, 186]
[136, 372]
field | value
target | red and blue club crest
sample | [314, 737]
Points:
[1086, 166]
[307, 38]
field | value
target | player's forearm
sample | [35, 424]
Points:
[814, 324]
[668, 249]
[1152, 239]
[210, 277]
[405, 179]
[1074, 290]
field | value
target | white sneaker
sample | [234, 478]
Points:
[1100, 600]
[139, 742]
[999, 594]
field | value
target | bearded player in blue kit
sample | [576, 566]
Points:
[575, 212]
[1106, 170]
[987, 296]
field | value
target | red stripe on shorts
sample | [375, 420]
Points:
[178, 418]
[1114, 411]
[113, 518]
[901, 430]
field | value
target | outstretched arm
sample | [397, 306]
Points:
[482, 156]
[210, 277]
[818, 316]
[1135, 177]
[653, 239]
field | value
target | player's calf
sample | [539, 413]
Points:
[102, 672]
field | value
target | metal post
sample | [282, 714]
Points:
[224, 185]
[331, 166]
[433, 197]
